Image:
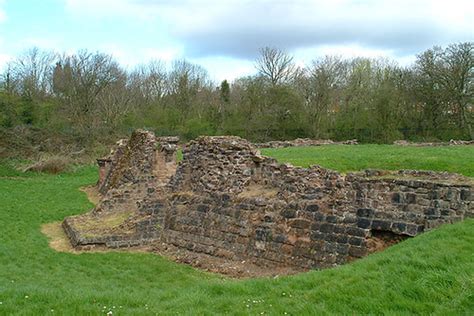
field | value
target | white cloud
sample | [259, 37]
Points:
[221, 68]
[132, 57]
[167, 54]
[224, 36]
[304, 56]
[239, 28]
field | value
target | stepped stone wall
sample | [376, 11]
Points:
[225, 200]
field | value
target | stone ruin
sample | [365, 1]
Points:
[226, 201]
[452, 142]
[299, 142]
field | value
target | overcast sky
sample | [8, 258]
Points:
[225, 36]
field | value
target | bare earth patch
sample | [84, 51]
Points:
[57, 237]
[55, 233]
[92, 193]
[59, 241]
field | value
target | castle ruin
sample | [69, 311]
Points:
[225, 200]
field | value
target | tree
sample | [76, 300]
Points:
[225, 91]
[276, 65]
[458, 79]
[445, 86]
[186, 83]
[323, 89]
[30, 74]
[149, 82]
[86, 84]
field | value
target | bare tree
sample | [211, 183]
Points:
[276, 65]
[186, 82]
[322, 88]
[84, 82]
[446, 84]
[149, 81]
[459, 82]
[30, 74]
[115, 101]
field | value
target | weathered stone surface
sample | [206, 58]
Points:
[226, 200]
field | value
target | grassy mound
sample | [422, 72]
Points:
[432, 273]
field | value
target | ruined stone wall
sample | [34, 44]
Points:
[303, 142]
[226, 200]
[452, 142]
[229, 201]
[136, 172]
[108, 165]
[410, 202]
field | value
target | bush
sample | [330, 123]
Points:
[54, 165]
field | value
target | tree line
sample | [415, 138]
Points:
[89, 97]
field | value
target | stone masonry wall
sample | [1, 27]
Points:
[226, 200]
[136, 172]
[231, 202]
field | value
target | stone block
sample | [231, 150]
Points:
[288, 213]
[364, 223]
[397, 198]
[357, 252]
[465, 195]
[365, 212]
[312, 208]
[356, 241]
[413, 229]
[342, 238]
[299, 223]
[356, 231]
[327, 228]
[381, 225]
[410, 198]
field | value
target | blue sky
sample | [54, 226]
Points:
[224, 36]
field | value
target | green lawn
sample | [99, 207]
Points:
[432, 273]
[345, 158]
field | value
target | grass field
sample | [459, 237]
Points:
[345, 158]
[429, 274]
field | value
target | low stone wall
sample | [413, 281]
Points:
[424, 144]
[300, 142]
[226, 200]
